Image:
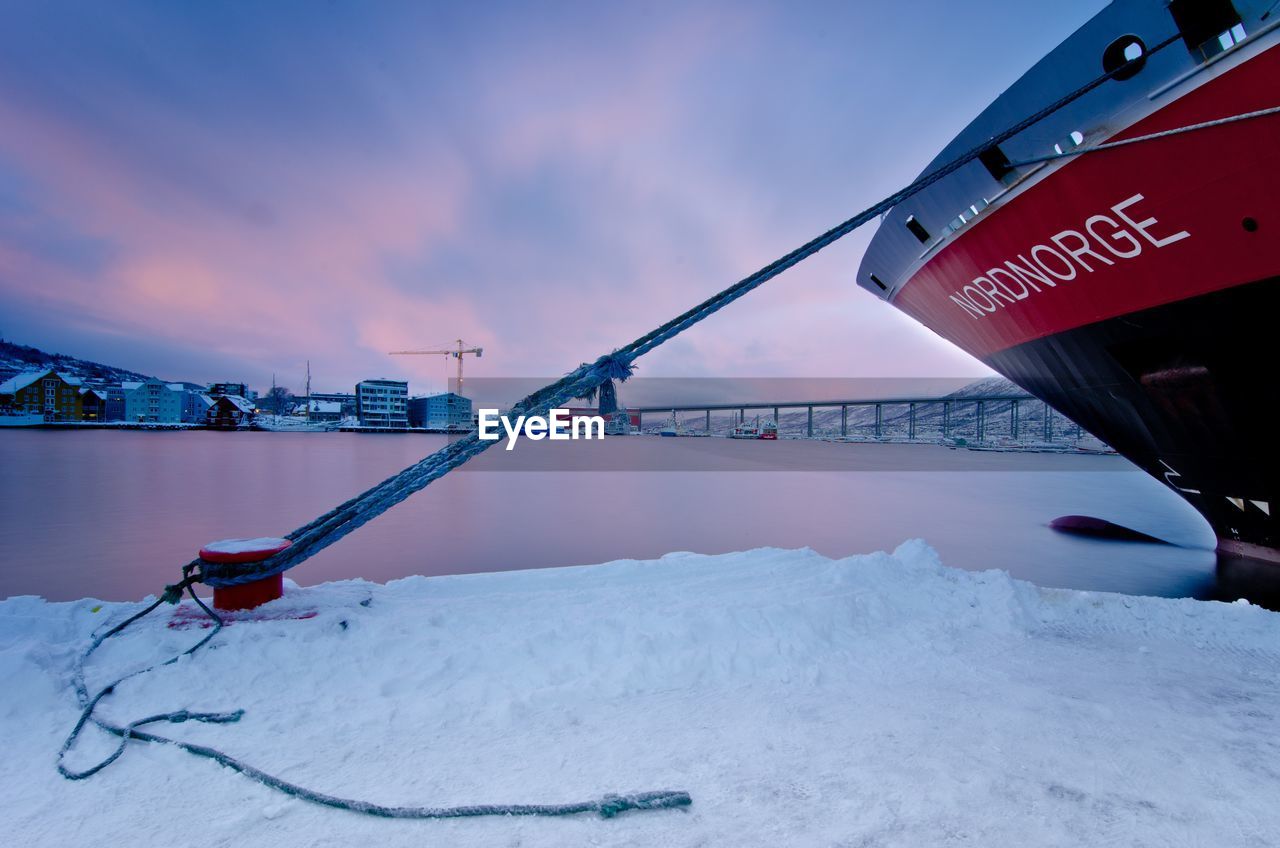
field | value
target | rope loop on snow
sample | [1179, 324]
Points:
[607, 806]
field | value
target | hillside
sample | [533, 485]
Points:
[16, 358]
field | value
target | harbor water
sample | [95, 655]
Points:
[113, 514]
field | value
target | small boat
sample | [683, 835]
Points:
[31, 419]
[746, 431]
[293, 424]
[769, 430]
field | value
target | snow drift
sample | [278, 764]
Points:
[872, 700]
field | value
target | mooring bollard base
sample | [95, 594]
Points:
[245, 596]
[248, 595]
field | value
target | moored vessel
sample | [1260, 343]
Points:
[1118, 258]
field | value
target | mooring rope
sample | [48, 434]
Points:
[1139, 139]
[606, 806]
[316, 535]
[313, 537]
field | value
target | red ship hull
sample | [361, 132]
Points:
[1202, 185]
[1135, 290]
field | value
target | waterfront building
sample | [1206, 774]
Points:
[319, 410]
[449, 410]
[48, 392]
[237, 389]
[345, 400]
[382, 403]
[196, 409]
[93, 403]
[153, 401]
[229, 412]
[113, 409]
[195, 406]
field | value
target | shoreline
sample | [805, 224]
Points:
[999, 444]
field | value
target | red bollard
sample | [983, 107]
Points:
[242, 551]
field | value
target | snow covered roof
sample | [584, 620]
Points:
[330, 406]
[239, 402]
[129, 386]
[20, 381]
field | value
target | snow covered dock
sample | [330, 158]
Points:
[873, 700]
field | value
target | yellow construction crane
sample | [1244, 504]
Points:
[457, 353]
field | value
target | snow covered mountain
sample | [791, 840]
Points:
[16, 358]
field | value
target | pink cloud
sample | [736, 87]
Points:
[272, 248]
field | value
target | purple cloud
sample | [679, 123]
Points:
[215, 192]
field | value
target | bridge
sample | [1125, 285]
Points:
[914, 406]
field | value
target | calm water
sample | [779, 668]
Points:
[113, 514]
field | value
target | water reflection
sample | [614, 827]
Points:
[1256, 582]
[113, 514]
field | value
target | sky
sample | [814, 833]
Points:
[226, 190]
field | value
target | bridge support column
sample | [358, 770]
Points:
[809, 431]
[879, 420]
[946, 419]
[844, 421]
[708, 421]
[1048, 423]
[982, 424]
[1013, 419]
[911, 422]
